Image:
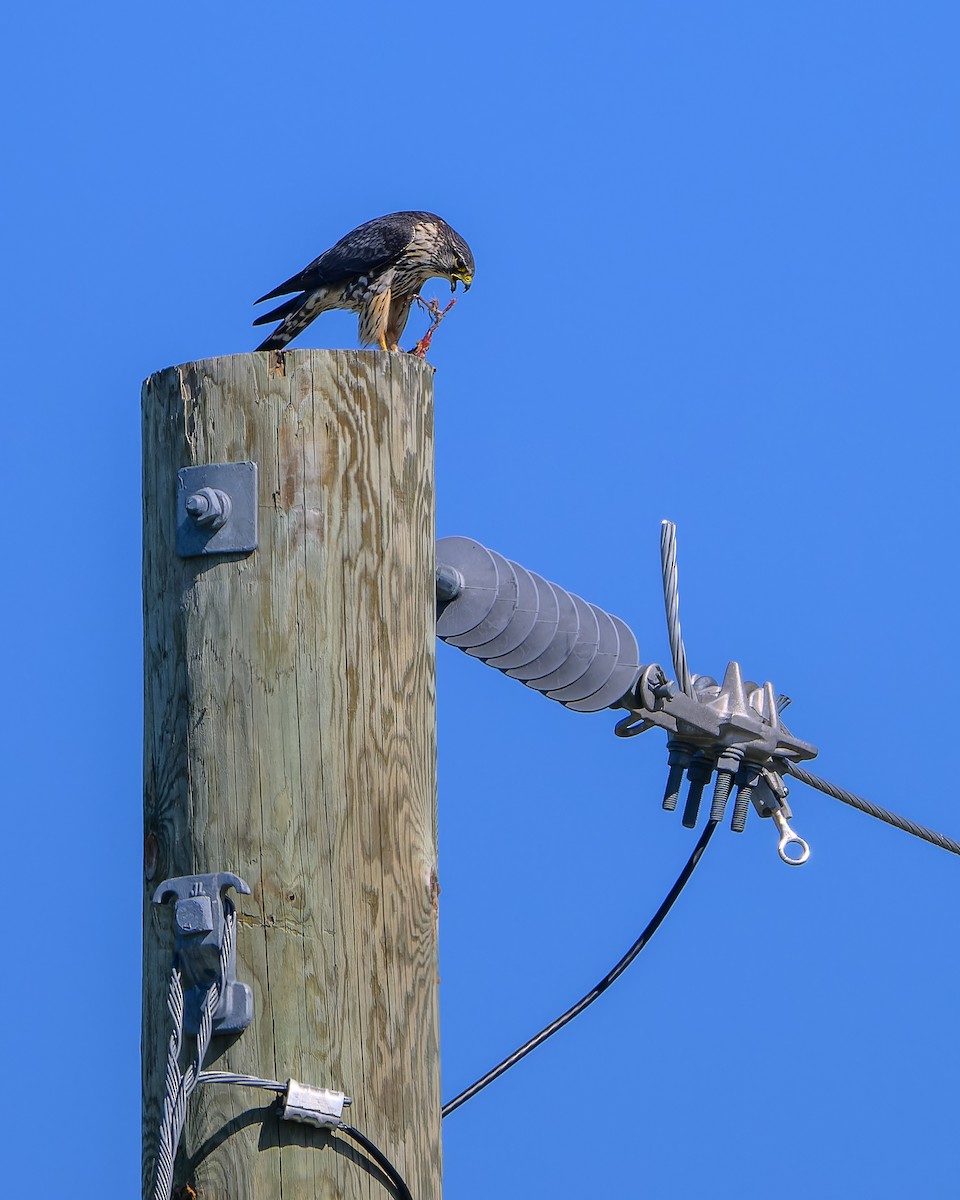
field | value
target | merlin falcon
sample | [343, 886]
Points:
[375, 271]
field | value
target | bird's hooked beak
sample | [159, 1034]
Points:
[466, 280]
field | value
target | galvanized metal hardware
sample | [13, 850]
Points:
[532, 630]
[788, 838]
[217, 509]
[736, 718]
[209, 506]
[778, 808]
[574, 652]
[449, 583]
[313, 1106]
[199, 924]
[733, 728]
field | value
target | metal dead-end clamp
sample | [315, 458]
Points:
[199, 921]
[733, 728]
[320, 1107]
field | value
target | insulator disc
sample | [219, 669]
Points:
[581, 655]
[480, 578]
[541, 634]
[561, 644]
[500, 614]
[536, 631]
[625, 674]
[520, 623]
[601, 667]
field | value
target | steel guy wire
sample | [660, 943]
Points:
[269, 1085]
[668, 562]
[180, 1085]
[873, 810]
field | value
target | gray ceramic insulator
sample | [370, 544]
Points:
[535, 631]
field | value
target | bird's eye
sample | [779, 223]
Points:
[459, 264]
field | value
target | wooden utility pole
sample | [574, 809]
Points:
[290, 738]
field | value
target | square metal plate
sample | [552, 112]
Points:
[239, 534]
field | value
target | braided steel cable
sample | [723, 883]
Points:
[671, 600]
[873, 810]
[254, 1081]
[179, 1086]
[169, 1132]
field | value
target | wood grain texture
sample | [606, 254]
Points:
[290, 737]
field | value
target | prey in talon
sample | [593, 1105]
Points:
[436, 315]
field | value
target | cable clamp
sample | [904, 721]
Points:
[313, 1106]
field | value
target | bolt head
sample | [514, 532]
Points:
[197, 505]
[209, 507]
[194, 914]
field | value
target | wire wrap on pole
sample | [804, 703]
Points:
[873, 810]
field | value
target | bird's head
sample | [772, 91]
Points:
[455, 260]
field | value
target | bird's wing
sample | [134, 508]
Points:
[365, 250]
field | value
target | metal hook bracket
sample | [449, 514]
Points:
[199, 921]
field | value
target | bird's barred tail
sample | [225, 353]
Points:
[295, 315]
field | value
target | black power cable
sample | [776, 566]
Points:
[605, 982]
[379, 1158]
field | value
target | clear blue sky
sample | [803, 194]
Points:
[717, 263]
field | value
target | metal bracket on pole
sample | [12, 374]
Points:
[217, 509]
[199, 920]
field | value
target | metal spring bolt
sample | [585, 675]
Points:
[721, 794]
[699, 773]
[741, 807]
